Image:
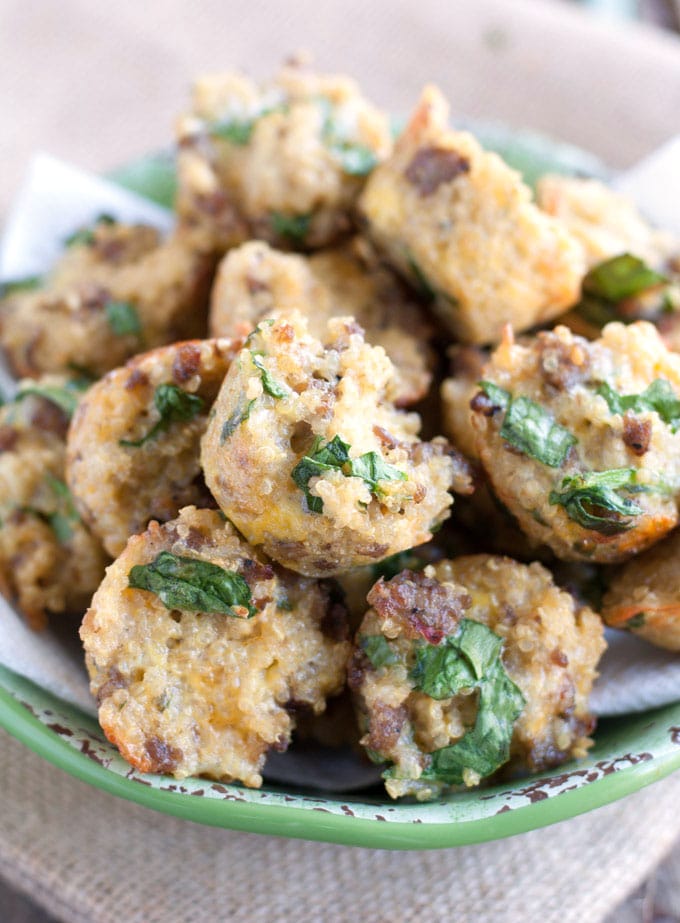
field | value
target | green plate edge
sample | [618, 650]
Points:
[411, 826]
[615, 768]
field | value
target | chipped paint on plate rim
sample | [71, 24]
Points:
[629, 754]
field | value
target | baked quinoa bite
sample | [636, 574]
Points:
[255, 281]
[49, 562]
[199, 651]
[476, 668]
[644, 595]
[633, 268]
[116, 290]
[579, 439]
[134, 443]
[605, 222]
[284, 161]
[460, 223]
[312, 463]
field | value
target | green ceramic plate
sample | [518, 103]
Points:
[629, 753]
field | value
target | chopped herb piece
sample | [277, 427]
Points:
[471, 659]
[498, 396]
[459, 662]
[84, 374]
[395, 564]
[174, 406]
[193, 585]
[63, 520]
[591, 500]
[232, 423]
[529, 427]
[440, 671]
[635, 621]
[254, 332]
[421, 281]
[123, 318]
[598, 312]
[532, 430]
[13, 286]
[240, 131]
[486, 747]
[65, 397]
[378, 650]
[85, 236]
[236, 131]
[321, 458]
[355, 159]
[658, 397]
[269, 383]
[293, 227]
[610, 284]
[480, 645]
[621, 277]
[370, 467]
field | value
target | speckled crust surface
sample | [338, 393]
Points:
[644, 595]
[255, 281]
[67, 323]
[284, 161]
[550, 651]
[562, 374]
[467, 369]
[118, 488]
[49, 562]
[197, 693]
[460, 222]
[326, 391]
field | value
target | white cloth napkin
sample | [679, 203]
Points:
[56, 200]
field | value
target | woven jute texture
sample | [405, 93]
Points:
[99, 83]
[92, 858]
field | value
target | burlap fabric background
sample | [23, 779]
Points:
[100, 83]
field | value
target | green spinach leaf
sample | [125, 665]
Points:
[65, 396]
[193, 585]
[498, 396]
[14, 286]
[530, 428]
[658, 397]
[486, 747]
[592, 500]
[378, 650]
[240, 415]
[65, 518]
[370, 467]
[333, 455]
[471, 659]
[269, 383]
[123, 318]
[85, 236]
[292, 227]
[621, 277]
[239, 131]
[174, 406]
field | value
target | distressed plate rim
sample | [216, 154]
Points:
[65, 737]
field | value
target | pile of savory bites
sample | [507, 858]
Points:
[277, 495]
